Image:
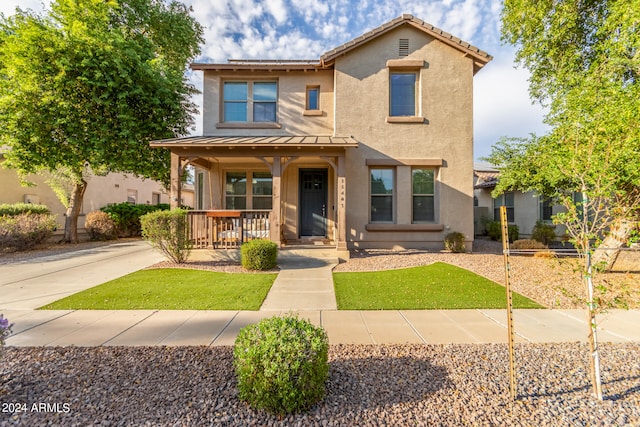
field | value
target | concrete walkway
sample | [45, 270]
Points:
[304, 286]
[192, 327]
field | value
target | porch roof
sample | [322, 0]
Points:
[258, 141]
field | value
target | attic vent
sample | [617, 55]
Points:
[403, 47]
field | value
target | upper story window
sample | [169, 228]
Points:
[249, 101]
[264, 101]
[403, 94]
[313, 98]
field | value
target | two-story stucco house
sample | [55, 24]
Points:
[370, 146]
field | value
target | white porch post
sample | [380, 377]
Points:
[274, 218]
[176, 187]
[341, 244]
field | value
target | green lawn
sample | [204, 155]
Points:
[173, 289]
[434, 286]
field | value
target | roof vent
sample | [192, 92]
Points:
[403, 47]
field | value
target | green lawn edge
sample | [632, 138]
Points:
[437, 286]
[173, 289]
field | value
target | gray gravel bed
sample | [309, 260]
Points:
[443, 385]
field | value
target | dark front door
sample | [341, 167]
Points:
[313, 202]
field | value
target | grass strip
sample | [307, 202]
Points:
[173, 289]
[435, 286]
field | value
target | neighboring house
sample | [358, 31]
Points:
[101, 191]
[523, 209]
[370, 146]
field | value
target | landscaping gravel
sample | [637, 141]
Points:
[443, 385]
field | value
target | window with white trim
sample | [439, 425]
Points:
[402, 94]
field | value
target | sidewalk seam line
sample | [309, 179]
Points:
[505, 327]
[415, 331]
[129, 328]
[364, 322]
[43, 323]
[223, 329]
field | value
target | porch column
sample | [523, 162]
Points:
[341, 244]
[175, 190]
[274, 218]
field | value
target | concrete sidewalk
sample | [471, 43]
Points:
[192, 327]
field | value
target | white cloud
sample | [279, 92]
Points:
[502, 106]
[277, 9]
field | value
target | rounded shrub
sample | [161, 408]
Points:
[281, 364]
[454, 242]
[543, 233]
[168, 231]
[24, 231]
[100, 226]
[259, 255]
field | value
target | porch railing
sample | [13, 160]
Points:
[227, 229]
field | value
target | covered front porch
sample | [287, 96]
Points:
[288, 189]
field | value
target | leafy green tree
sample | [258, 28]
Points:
[584, 60]
[87, 84]
[584, 63]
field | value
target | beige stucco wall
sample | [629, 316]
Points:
[526, 211]
[445, 101]
[101, 190]
[291, 103]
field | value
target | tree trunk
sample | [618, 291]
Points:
[73, 212]
[617, 237]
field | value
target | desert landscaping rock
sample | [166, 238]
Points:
[444, 385]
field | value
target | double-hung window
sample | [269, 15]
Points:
[249, 101]
[423, 185]
[236, 190]
[402, 94]
[546, 209]
[235, 101]
[262, 189]
[249, 190]
[264, 101]
[382, 188]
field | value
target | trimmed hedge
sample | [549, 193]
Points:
[259, 255]
[494, 231]
[22, 208]
[281, 364]
[126, 216]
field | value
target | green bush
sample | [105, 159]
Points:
[454, 242]
[281, 364]
[543, 233]
[24, 231]
[168, 231]
[127, 216]
[22, 208]
[259, 255]
[100, 226]
[494, 231]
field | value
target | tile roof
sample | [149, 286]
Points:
[481, 56]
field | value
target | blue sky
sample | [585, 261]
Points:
[305, 29]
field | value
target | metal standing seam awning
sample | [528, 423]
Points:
[308, 141]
